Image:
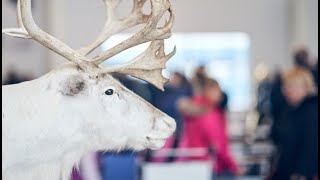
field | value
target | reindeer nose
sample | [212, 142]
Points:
[170, 124]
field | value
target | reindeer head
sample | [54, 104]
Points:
[113, 115]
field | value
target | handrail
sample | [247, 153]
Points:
[181, 152]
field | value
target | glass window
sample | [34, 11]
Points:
[226, 57]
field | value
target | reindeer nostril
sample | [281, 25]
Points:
[167, 122]
[164, 123]
[171, 124]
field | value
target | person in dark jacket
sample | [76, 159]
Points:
[278, 105]
[315, 73]
[140, 88]
[14, 78]
[296, 133]
[177, 88]
[302, 59]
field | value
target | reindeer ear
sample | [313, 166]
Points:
[73, 85]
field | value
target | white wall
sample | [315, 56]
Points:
[313, 27]
[304, 25]
[265, 21]
[24, 56]
[269, 23]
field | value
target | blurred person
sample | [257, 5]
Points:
[134, 85]
[278, 104]
[201, 74]
[75, 174]
[263, 99]
[295, 134]
[90, 167]
[224, 102]
[122, 165]
[277, 100]
[302, 59]
[205, 126]
[315, 73]
[177, 88]
[14, 78]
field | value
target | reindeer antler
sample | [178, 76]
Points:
[147, 66]
[113, 25]
[17, 32]
[149, 33]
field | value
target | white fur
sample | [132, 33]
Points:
[45, 133]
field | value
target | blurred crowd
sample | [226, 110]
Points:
[199, 105]
[290, 100]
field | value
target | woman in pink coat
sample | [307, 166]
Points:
[205, 126]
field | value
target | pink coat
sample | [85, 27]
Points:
[210, 130]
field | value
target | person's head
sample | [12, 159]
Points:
[200, 73]
[211, 91]
[297, 84]
[301, 58]
[176, 79]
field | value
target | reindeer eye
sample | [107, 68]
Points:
[109, 92]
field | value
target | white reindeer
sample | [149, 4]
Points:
[49, 123]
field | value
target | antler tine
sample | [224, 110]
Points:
[19, 19]
[137, 14]
[147, 66]
[20, 32]
[149, 33]
[113, 25]
[29, 29]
